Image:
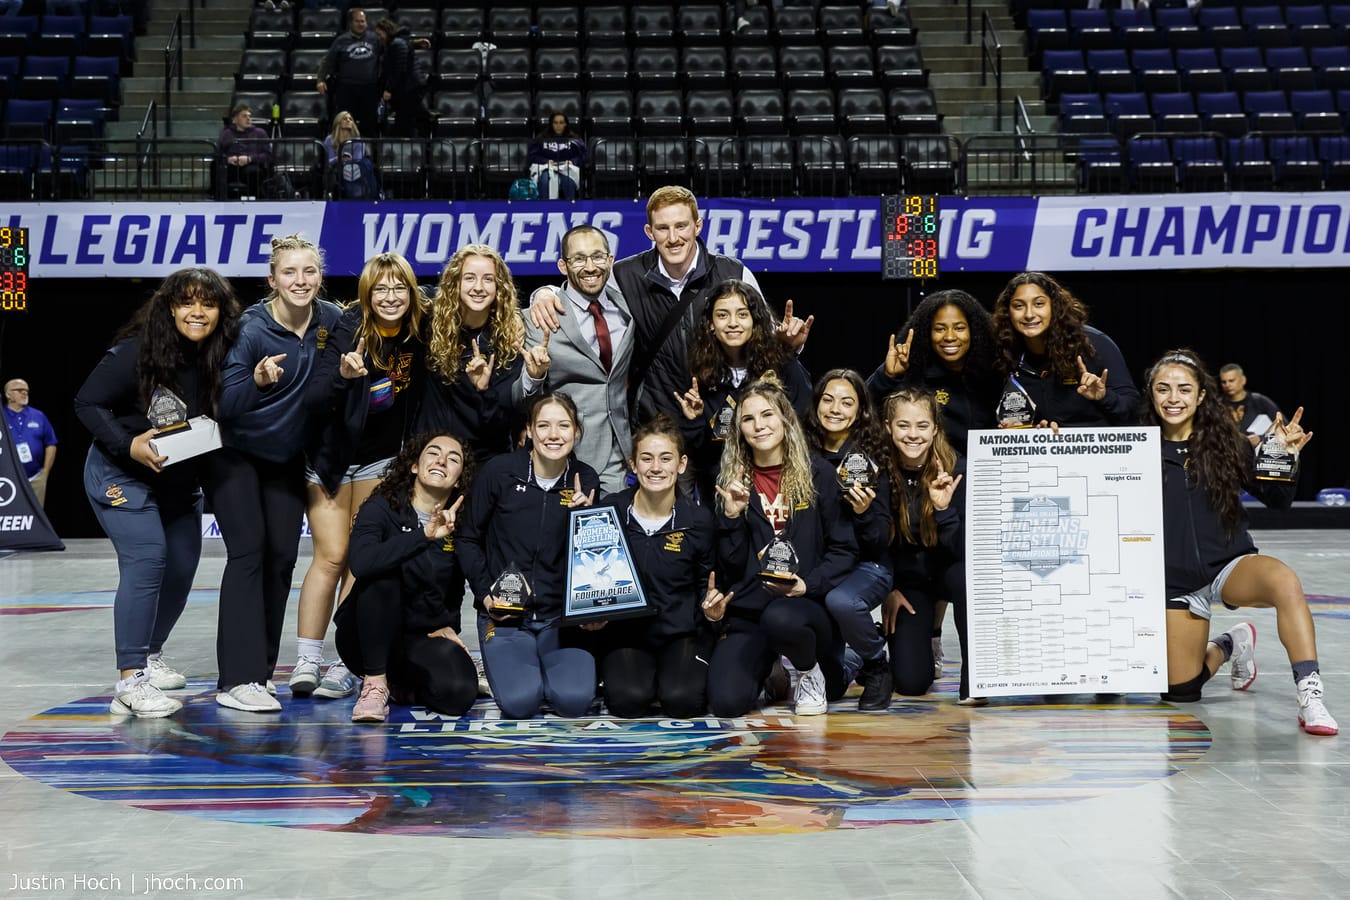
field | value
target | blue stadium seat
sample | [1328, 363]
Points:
[1129, 113]
[1294, 163]
[1290, 68]
[1155, 69]
[1175, 111]
[1248, 166]
[1110, 70]
[1268, 111]
[1331, 65]
[1334, 152]
[1091, 29]
[1200, 69]
[1151, 168]
[1064, 71]
[1244, 68]
[1316, 111]
[1199, 162]
[1221, 111]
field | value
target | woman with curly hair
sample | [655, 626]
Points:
[256, 482]
[360, 403]
[399, 629]
[956, 358]
[927, 503]
[475, 347]
[775, 497]
[149, 505]
[842, 429]
[735, 341]
[1209, 555]
[1072, 373]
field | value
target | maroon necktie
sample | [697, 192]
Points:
[601, 334]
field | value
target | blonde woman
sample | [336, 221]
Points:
[474, 352]
[350, 169]
[771, 489]
[361, 402]
[256, 481]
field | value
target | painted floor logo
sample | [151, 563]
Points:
[923, 760]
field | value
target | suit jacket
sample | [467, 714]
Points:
[601, 398]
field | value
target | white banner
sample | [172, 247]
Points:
[1064, 562]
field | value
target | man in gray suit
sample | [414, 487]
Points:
[588, 357]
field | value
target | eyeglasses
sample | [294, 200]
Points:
[595, 259]
[384, 290]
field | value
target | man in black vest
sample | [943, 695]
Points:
[665, 288]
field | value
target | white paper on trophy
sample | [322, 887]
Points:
[1064, 562]
[202, 436]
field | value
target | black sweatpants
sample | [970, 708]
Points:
[799, 628]
[372, 640]
[911, 644]
[675, 674]
[259, 506]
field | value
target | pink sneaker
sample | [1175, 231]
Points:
[373, 704]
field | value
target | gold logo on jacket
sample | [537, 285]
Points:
[675, 541]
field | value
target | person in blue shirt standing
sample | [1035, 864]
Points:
[34, 439]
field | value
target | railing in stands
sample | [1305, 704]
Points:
[1021, 164]
[970, 20]
[148, 147]
[991, 58]
[173, 65]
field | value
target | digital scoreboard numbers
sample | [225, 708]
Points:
[14, 256]
[909, 236]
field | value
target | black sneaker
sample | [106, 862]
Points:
[875, 677]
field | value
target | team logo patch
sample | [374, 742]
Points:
[322, 339]
[674, 541]
[114, 495]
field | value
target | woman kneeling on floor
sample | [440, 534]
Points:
[401, 624]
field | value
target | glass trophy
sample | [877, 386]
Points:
[512, 592]
[1274, 460]
[778, 560]
[601, 581]
[722, 422]
[167, 411]
[176, 436]
[1016, 409]
[856, 468]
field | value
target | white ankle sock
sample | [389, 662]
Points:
[308, 648]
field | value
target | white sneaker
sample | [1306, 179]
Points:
[810, 693]
[484, 688]
[271, 687]
[162, 675]
[251, 697]
[937, 657]
[305, 676]
[145, 700]
[1312, 714]
[338, 682]
[1243, 659]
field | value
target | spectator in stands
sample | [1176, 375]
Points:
[352, 70]
[1254, 413]
[247, 151]
[350, 169]
[34, 439]
[405, 88]
[556, 156]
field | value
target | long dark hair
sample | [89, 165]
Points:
[397, 484]
[1065, 339]
[764, 352]
[865, 434]
[980, 361]
[547, 131]
[940, 455]
[161, 354]
[1217, 453]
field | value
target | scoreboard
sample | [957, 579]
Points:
[909, 236]
[14, 256]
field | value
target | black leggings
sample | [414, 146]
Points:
[796, 627]
[371, 639]
[676, 674]
[259, 506]
[911, 644]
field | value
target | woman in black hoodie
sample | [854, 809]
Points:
[1209, 555]
[672, 542]
[784, 542]
[401, 624]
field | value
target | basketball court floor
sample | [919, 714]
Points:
[1043, 797]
